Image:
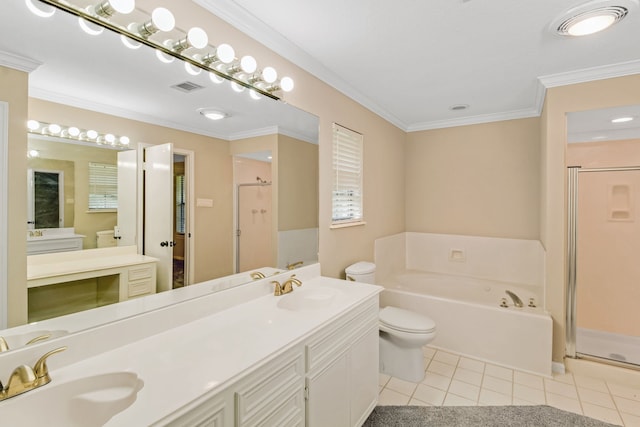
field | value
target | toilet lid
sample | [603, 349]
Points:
[406, 321]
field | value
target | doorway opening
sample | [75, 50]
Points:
[168, 214]
[45, 199]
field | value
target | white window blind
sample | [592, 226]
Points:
[103, 186]
[347, 175]
[180, 204]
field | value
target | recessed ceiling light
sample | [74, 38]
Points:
[591, 21]
[213, 114]
[458, 107]
[622, 119]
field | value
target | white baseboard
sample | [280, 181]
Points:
[557, 368]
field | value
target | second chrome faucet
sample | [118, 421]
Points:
[287, 286]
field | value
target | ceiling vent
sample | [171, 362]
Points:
[187, 87]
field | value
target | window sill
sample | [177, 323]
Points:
[347, 224]
[102, 211]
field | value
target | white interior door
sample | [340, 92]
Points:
[158, 211]
[125, 231]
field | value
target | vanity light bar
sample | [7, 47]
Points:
[76, 134]
[220, 61]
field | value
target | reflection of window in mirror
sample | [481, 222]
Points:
[180, 204]
[103, 186]
[45, 199]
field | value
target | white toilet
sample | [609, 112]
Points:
[403, 333]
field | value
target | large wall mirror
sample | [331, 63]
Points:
[103, 82]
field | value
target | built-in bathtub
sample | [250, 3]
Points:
[466, 309]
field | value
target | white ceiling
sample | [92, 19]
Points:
[410, 60]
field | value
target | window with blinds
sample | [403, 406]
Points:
[347, 176]
[103, 186]
[180, 204]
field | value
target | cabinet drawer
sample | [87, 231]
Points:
[141, 272]
[141, 287]
[337, 337]
[290, 412]
[264, 393]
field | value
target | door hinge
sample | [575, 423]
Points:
[238, 232]
[306, 393]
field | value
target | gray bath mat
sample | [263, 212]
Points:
[467, 416]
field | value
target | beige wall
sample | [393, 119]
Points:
[479, 180]
[604, 153]
[297, 184]
[13, 91]
[553, 230]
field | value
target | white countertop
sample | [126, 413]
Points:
[182, 364]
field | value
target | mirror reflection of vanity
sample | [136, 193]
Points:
[97, 91]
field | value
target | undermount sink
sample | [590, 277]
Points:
[308, 299]
[89, 401]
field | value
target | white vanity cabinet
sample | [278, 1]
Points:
[342, 370]
[330, 379]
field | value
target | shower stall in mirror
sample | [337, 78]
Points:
[603, 242]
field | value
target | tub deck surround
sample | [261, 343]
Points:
[459, 281]
[199, 357]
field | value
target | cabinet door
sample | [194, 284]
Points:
[363, 375]
[328, 395]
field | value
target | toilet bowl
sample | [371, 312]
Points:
[403, 333]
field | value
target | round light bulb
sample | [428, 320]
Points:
[38, 10]
[197, 38]
[33, 125]
[248, 64]
[123, 6]
[33, 153]
[92, 134]
[163, 57]
[130, 43]
[73, 131]
[89, 27]
[269, 74]
[163, 19]
[254, 95]
[215, 78]
[110, 138]
[124, 140]
[591, 25]
[287, 84]
[225, 53]
[54, 129]
[194, 71]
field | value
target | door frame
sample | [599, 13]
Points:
[189, 173]
[189, 247]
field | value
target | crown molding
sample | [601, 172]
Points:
[590, 74]
[269, 130]
[249, 24]
[17, 62]
[474, 120]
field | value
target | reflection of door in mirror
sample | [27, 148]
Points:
[45, 199]
[254, 210]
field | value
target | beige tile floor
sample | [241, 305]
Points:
[455, 380]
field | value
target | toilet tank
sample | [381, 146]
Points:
[104, 239]
[362, 271]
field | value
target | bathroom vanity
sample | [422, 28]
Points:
[136, 274]
[238, 357]
[51, 240]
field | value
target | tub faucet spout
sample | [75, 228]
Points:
[516, 300]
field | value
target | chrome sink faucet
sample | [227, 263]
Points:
[25, 378]
[516, 300]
